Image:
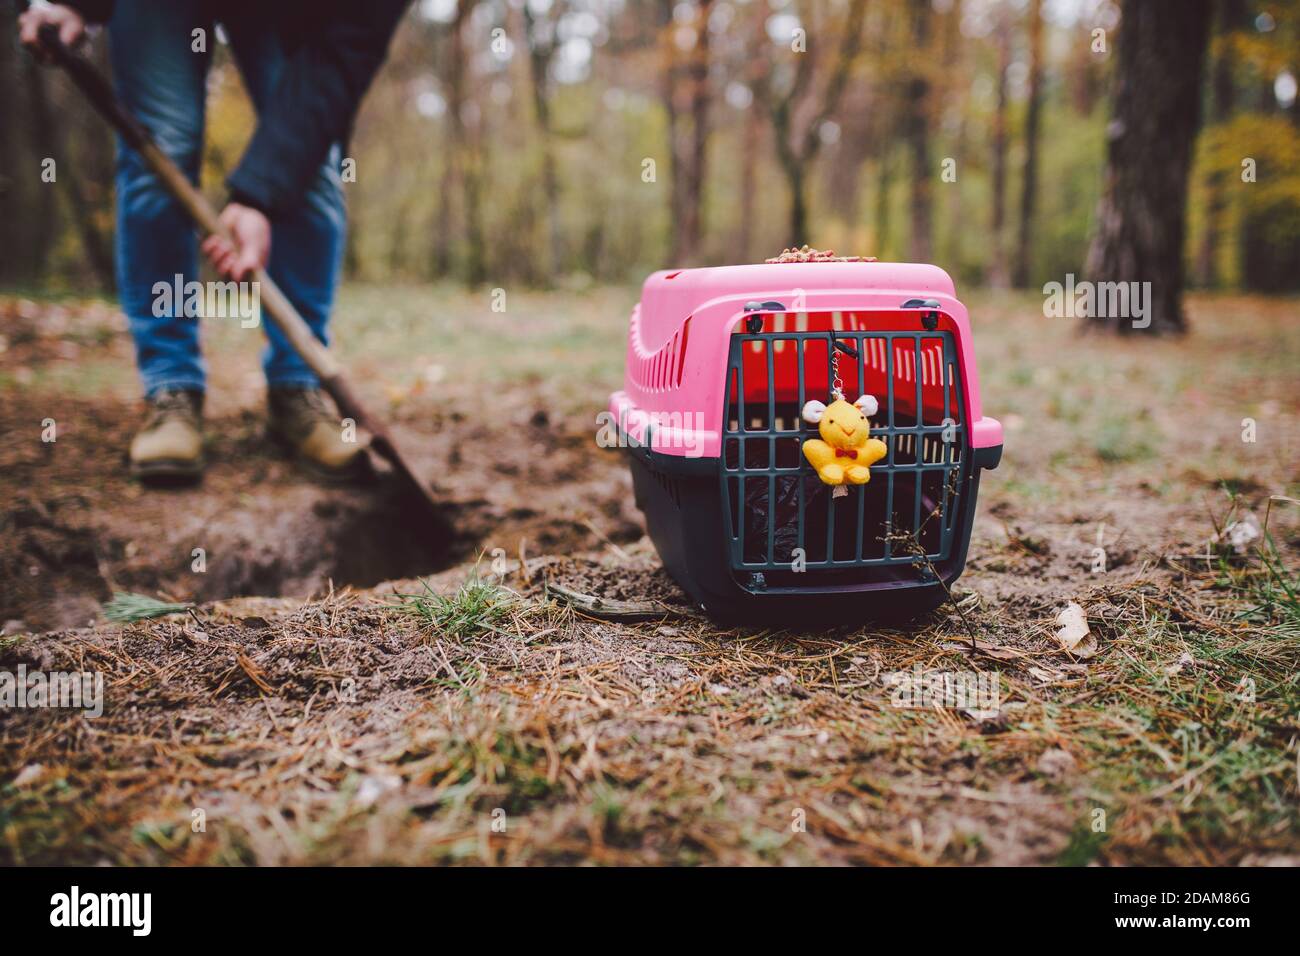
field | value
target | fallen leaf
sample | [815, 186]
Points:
[374, 786]
[1239, 534]
[1045, 676]
[1055, 762]
[1073, 631]
[29, 773]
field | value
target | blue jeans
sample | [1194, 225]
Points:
[162, 82]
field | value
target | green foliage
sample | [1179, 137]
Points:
[476, 606]
[518, 198]
[1119, 438]
[1276, 590]
[1085, 843]
[126, 607]
[1070, 184]
[1256, 157]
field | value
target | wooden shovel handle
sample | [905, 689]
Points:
[274, 302]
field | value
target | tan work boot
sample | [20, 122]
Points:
[169, 448]
[302, 420]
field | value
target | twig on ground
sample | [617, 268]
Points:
[609, 610]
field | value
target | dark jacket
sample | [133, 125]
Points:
[334, 49]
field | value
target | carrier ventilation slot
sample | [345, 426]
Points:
[661, 371]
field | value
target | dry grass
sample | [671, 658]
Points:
[486, 727]
[347, 730]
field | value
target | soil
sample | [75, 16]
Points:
[66, 542]
[312, 720]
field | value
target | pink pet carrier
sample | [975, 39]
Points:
[720, 365]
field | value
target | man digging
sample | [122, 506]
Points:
[306, 67]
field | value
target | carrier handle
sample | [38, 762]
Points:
[754, 323]
[929, 319]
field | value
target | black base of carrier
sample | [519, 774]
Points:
[680, 499]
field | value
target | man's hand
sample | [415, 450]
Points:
[252, 246]
[71, 26]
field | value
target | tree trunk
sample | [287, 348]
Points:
[45, 225]
[14, 189]
[792, 164]
[539, 61]
[692, 224]
[452, 68]
[472, 138]
[668, 93]
[795, 153]
[1223, 98]
[997, 271]
[748, 183]
[1029, 183]
[475, 245]
[957, 93]
[1141, 218]
[684, 87]
[918, 134]
[465, 152]
[798, 204]
[1083, 78]
[441, 216]
[884, 182]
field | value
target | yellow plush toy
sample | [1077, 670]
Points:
[845, 452]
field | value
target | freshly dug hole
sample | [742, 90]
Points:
[76, 528]
[59, 563]
[357, 541]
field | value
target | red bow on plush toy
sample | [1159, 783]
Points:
[846, 453]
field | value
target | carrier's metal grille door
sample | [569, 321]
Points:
[778, 513]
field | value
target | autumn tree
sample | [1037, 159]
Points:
[540, 36]
[464, 165]
[1141, 217]
[801, 96]
[1223, 95]
[46, 127]
[917, 123]
[998, 270]
[687, 95]
[1029, 175]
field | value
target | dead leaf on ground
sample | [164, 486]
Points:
[1056, 762]
[1073, 631]
[33, 771]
